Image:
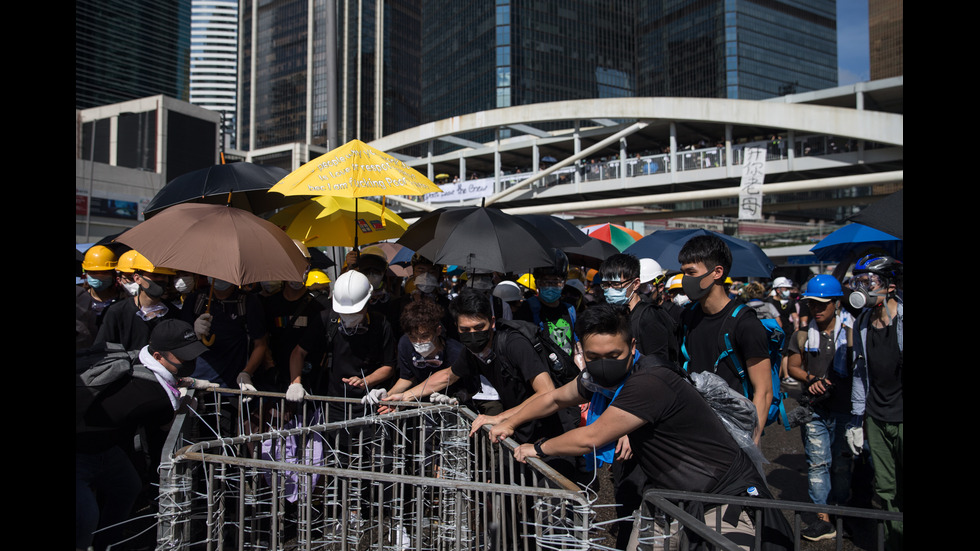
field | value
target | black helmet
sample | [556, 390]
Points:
[885, 267]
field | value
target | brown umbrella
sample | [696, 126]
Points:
[218, 241]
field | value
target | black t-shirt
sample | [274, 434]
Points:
[683, 445]
[120, 410]
[653, 335]
[414, 367]
[292, 322]
[236, 322]
[884, 401]
[704, 341]
[358, 355]
[121, 324]
[511, 367]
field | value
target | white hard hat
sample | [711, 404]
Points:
[782, 282]
[351, 292]
[649, 270]
[508, 291]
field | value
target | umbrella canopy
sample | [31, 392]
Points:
[355, 169]
[884, 215]
[478, 238]
[620, 236]
[218, 241]
[339, 222]
[559, 232]
[849, 241]
[591, 254]
[399, 258]
[748, 260]
[248, 184]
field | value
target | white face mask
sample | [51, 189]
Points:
[184, 284]
[351, 320]
[132, 288]
[426, 283]
[681, 300]
[424, 348]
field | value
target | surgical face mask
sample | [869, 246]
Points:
[271, 287]
[132, 288]
[475, 341]
[692, 286]
[550, 294]
[426, 283]
[482, 283]
[680, 300]
[184, 284]
[784, 293]
[617, 297]
[351, 320]
[98, 282]
[219, 284]
[424, 348]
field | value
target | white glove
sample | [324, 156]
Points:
[855, 439]
[295, 392]
[244, 381]
[202, 325]
[439, 398]
[196, 384]
[374, 397]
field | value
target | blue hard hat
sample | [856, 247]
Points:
[823, 286]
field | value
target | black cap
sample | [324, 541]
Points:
[178, 337]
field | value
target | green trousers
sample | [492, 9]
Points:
[885, 443]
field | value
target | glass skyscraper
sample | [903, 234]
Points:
[214, 60]
[130, 49]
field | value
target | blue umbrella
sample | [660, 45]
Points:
[855, 239]
[748, 260]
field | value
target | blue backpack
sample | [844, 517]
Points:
[776, 339]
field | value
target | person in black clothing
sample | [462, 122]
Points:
[679, 441]
[654, 333]
[292, 318]
[130, 320]
[705, 262]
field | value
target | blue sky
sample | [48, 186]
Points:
[853, 63]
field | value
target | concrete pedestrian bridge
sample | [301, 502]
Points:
[664, 157]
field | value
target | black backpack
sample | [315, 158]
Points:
[673, 349]
[560, 364]
[98, 370]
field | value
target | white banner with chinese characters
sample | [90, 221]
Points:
[461, 191]
[750, 192]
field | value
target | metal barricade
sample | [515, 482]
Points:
[664, 524]
[297, 476]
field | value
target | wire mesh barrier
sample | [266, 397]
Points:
[269, 474]
[665, 522]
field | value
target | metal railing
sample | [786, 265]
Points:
[666, 524]
[297, 476]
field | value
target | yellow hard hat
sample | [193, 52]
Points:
[316, 277]
[575, 273]
[99, 258]
[142, 264]
[675, 282]
[125, 263]
[527, 280]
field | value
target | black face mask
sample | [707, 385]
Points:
[475, 341]
[692, 286]
[185, 369]
[154, 290]
[609, 372]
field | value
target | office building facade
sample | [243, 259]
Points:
[214, 60]
[130, 49]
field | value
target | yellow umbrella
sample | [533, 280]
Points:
[355, 169]
[338, 222]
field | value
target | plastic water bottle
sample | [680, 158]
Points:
[753, 491]
[555, 364]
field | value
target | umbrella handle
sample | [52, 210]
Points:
[209, 339]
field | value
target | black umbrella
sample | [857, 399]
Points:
[559, 232]
[241, 185]
[884, 215]
[592, 253]
[478, 238]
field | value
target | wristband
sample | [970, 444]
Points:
[537, 449]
